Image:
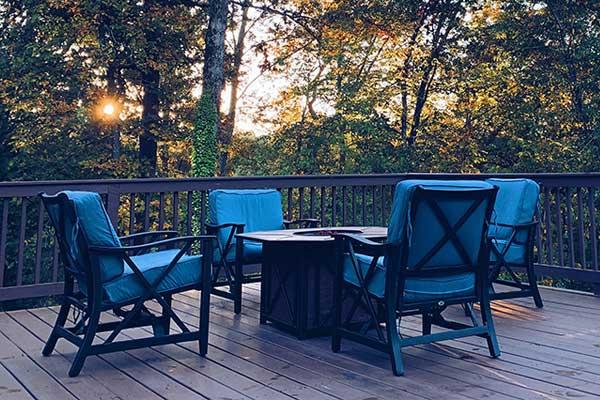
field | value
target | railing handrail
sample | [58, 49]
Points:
[29, 188]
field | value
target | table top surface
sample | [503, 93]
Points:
[314, 234]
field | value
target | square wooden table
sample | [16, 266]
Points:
[298, 272]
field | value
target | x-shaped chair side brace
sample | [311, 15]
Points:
[501, 254]
[225, 249]
[151, 288]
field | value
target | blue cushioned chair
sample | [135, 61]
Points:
[111, 276]
[436, 255]
[236, 211]
[513, 234]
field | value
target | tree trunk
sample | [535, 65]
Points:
[214, 51]
[204, 155]
[150, 119]
[228, 126]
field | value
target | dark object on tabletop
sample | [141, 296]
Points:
[513, 234]
[436, 255]
[120, 278]
[233, 212]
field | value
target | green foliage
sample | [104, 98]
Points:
[204, 150]
[204, 138]
[370, 86]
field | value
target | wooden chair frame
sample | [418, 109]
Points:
[234, 270]
[524, 289]
[92, 304]
[391, 308]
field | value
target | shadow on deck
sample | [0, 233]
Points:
[552, 353]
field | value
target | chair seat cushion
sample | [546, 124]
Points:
[187, 271]
[514, 255]
[252, 251]
[415, 289]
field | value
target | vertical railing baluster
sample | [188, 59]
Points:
[3, 233]
[364, 205]
[161, 211]
[559, 228]
[146, 211]
[301, 203]
[538, 230]
[189, 212]
[382, 189]
[312, 202]
[322, 200]
[569, 204]
[38, 242]
[593, 234]
[175, 211]
[580, 232]
[333, 206]
[354, 205]
[538, 236]
[131, 213]
[55, 261]
[373, 206]
[21, 245]
[343, 205]
[203, 202]
[289, 204]
[548, 222]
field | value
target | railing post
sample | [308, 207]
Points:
[112, 205]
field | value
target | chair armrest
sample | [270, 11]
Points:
[101, 250]
[147, 235]
[516, 226]
[367, 243]
[308, 222]
[213, 228]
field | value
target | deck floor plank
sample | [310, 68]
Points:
[513, 384]
[10, 388]
[553, 353]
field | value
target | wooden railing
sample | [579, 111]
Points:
[566, 246]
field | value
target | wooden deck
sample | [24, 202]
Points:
[552, 353]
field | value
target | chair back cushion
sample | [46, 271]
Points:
[83, 214]
[257, 209]
[418, 224]
[516, 203]
[402, 196]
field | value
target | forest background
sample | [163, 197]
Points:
[116, 88]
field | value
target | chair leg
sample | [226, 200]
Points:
[237, 288]
[492, 341]
[537, 298]
[204, 317]
[86, 345]
[164, 328]
[426, 321]
[393, 339]
[338, 292]
[60, 323]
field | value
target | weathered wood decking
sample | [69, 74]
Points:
[552, 353]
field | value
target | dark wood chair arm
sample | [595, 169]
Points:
[213, 228]
[378, 247]
[516, 226]
[101, 250]
[136, 237]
